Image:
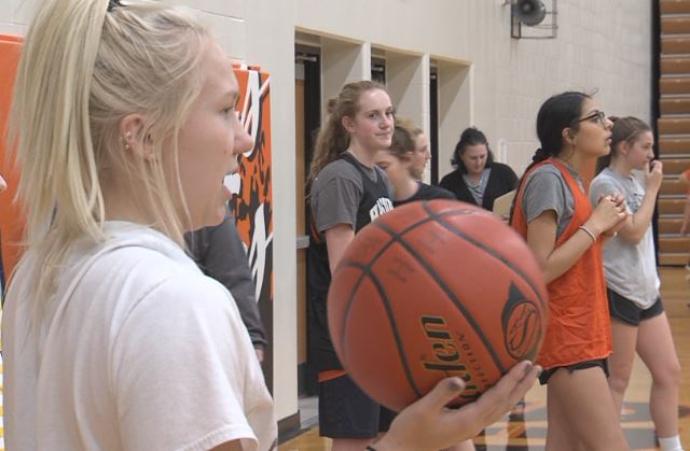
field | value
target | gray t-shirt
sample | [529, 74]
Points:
[336, 192]
[546, 190]
[477, 190]
[630, 268]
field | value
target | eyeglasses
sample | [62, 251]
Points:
[595, 116]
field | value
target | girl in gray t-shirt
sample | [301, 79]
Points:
[639, 323]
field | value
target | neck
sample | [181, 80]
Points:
[620, 167]
[583, 164]
[123, 204]
[363, 155]
[406, 189]
[474, 176]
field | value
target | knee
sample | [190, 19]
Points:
[668, 375]
[618, 383]
[618, 379]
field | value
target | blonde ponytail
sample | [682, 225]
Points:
[83, 69]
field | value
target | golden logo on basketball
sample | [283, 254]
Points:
[521, 323]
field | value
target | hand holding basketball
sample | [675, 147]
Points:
[429, 425]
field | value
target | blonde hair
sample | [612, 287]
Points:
[333, 139]
[413, 129]
[83, 69]
[402, 143]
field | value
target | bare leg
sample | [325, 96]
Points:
[557, 438]
[621, 361]
[584, 414]
[656, 348]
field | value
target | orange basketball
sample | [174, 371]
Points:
[435, 289]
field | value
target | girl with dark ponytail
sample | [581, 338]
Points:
[565, 232]
[638, 321]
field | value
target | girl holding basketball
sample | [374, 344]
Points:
[108, 322]
[638, 321]
[401, 162]
[565, 232]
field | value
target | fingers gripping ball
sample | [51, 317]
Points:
[431, 290]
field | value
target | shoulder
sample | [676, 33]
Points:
[153, 294]
[546, 173]
[434, 192]
[502, 168]
[452, 178]
[138, 265]
[603, 178]
[339, 169]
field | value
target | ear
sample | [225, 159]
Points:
[132, 136]
[569, 136]
[348, 124]
[624, 148]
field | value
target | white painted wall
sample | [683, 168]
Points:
[601, 45]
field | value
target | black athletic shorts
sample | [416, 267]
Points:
[628, 312]
[345, 411]
[603, 363]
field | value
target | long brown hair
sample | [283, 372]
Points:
[333, 139]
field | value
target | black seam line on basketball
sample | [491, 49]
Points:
[489, 250]
[441, 283]
[373, 260]
[366, 271]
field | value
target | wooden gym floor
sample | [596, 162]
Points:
[527, 430]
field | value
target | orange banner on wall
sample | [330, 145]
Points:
[11, 222]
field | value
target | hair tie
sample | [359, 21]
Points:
[540, 155]
[112, 4]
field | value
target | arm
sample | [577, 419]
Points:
[337, 239]
[637, 224]
[555, 261]
[541, 238]
[226, 261]
[544, 200]
[334, 202]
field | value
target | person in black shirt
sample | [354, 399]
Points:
[218, 251]
[400, 165]
[477, 178]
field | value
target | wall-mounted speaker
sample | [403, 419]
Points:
[529, 12]
[538, 16]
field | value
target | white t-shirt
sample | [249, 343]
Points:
[630, 268]
[137, 350]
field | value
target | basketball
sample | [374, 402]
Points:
[435, 289]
